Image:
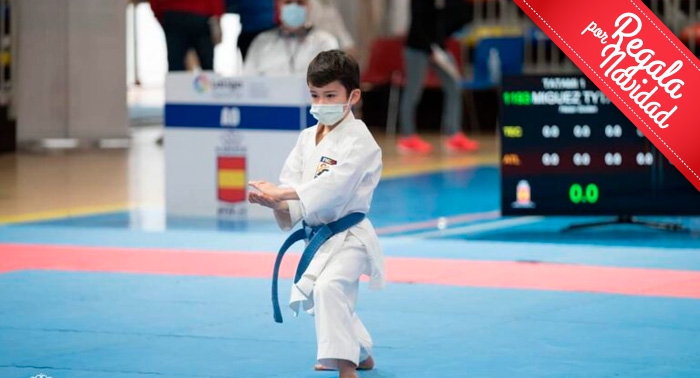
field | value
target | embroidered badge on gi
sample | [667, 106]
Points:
[324, 165]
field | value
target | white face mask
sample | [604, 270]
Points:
[293, 15]
[328, 114]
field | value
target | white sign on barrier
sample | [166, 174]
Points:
[221, 132]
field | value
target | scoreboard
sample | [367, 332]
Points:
[567, 150]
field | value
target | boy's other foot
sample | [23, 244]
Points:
[367, 364]
[460, 143]
[414, 145]
[347, 369]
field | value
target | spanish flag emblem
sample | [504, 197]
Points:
[231, 180]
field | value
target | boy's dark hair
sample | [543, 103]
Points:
[329, 66]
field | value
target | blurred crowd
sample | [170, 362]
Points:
[455, 45]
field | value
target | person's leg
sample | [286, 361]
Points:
[176, 40]
[177, 44]
[365, 339]
[452, 103]
[203, 45]
[365, 342]
[205, 53]
[341, 341]
[452, 113]
[416, 64]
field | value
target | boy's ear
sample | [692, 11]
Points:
[355, 96]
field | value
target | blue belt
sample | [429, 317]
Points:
[317, 236]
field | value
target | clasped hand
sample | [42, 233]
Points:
[268, 195]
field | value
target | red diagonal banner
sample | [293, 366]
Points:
[638, 63]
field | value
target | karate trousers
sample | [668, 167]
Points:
[339, 332]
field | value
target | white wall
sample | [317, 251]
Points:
[71, 71]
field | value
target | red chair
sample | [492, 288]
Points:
[386, 67]
[385, 60]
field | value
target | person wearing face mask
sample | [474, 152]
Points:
[288, 49]
[327, 182]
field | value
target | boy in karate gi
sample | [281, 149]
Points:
[330, 173]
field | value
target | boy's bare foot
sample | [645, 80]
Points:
[347, 369]
[366, 364]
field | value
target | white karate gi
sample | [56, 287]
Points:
[335, 178]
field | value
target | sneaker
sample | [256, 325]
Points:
[414, 144]
[460, 143]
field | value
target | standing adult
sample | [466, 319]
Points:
[432, 22]
[189, 25]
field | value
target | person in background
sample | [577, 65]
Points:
[432, 22]
[325, 16]
[190, 25]
[256, 16]
[288, 49]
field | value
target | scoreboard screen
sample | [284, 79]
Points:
[567, 150]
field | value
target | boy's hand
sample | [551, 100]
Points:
[267, 201]
[268, 189]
